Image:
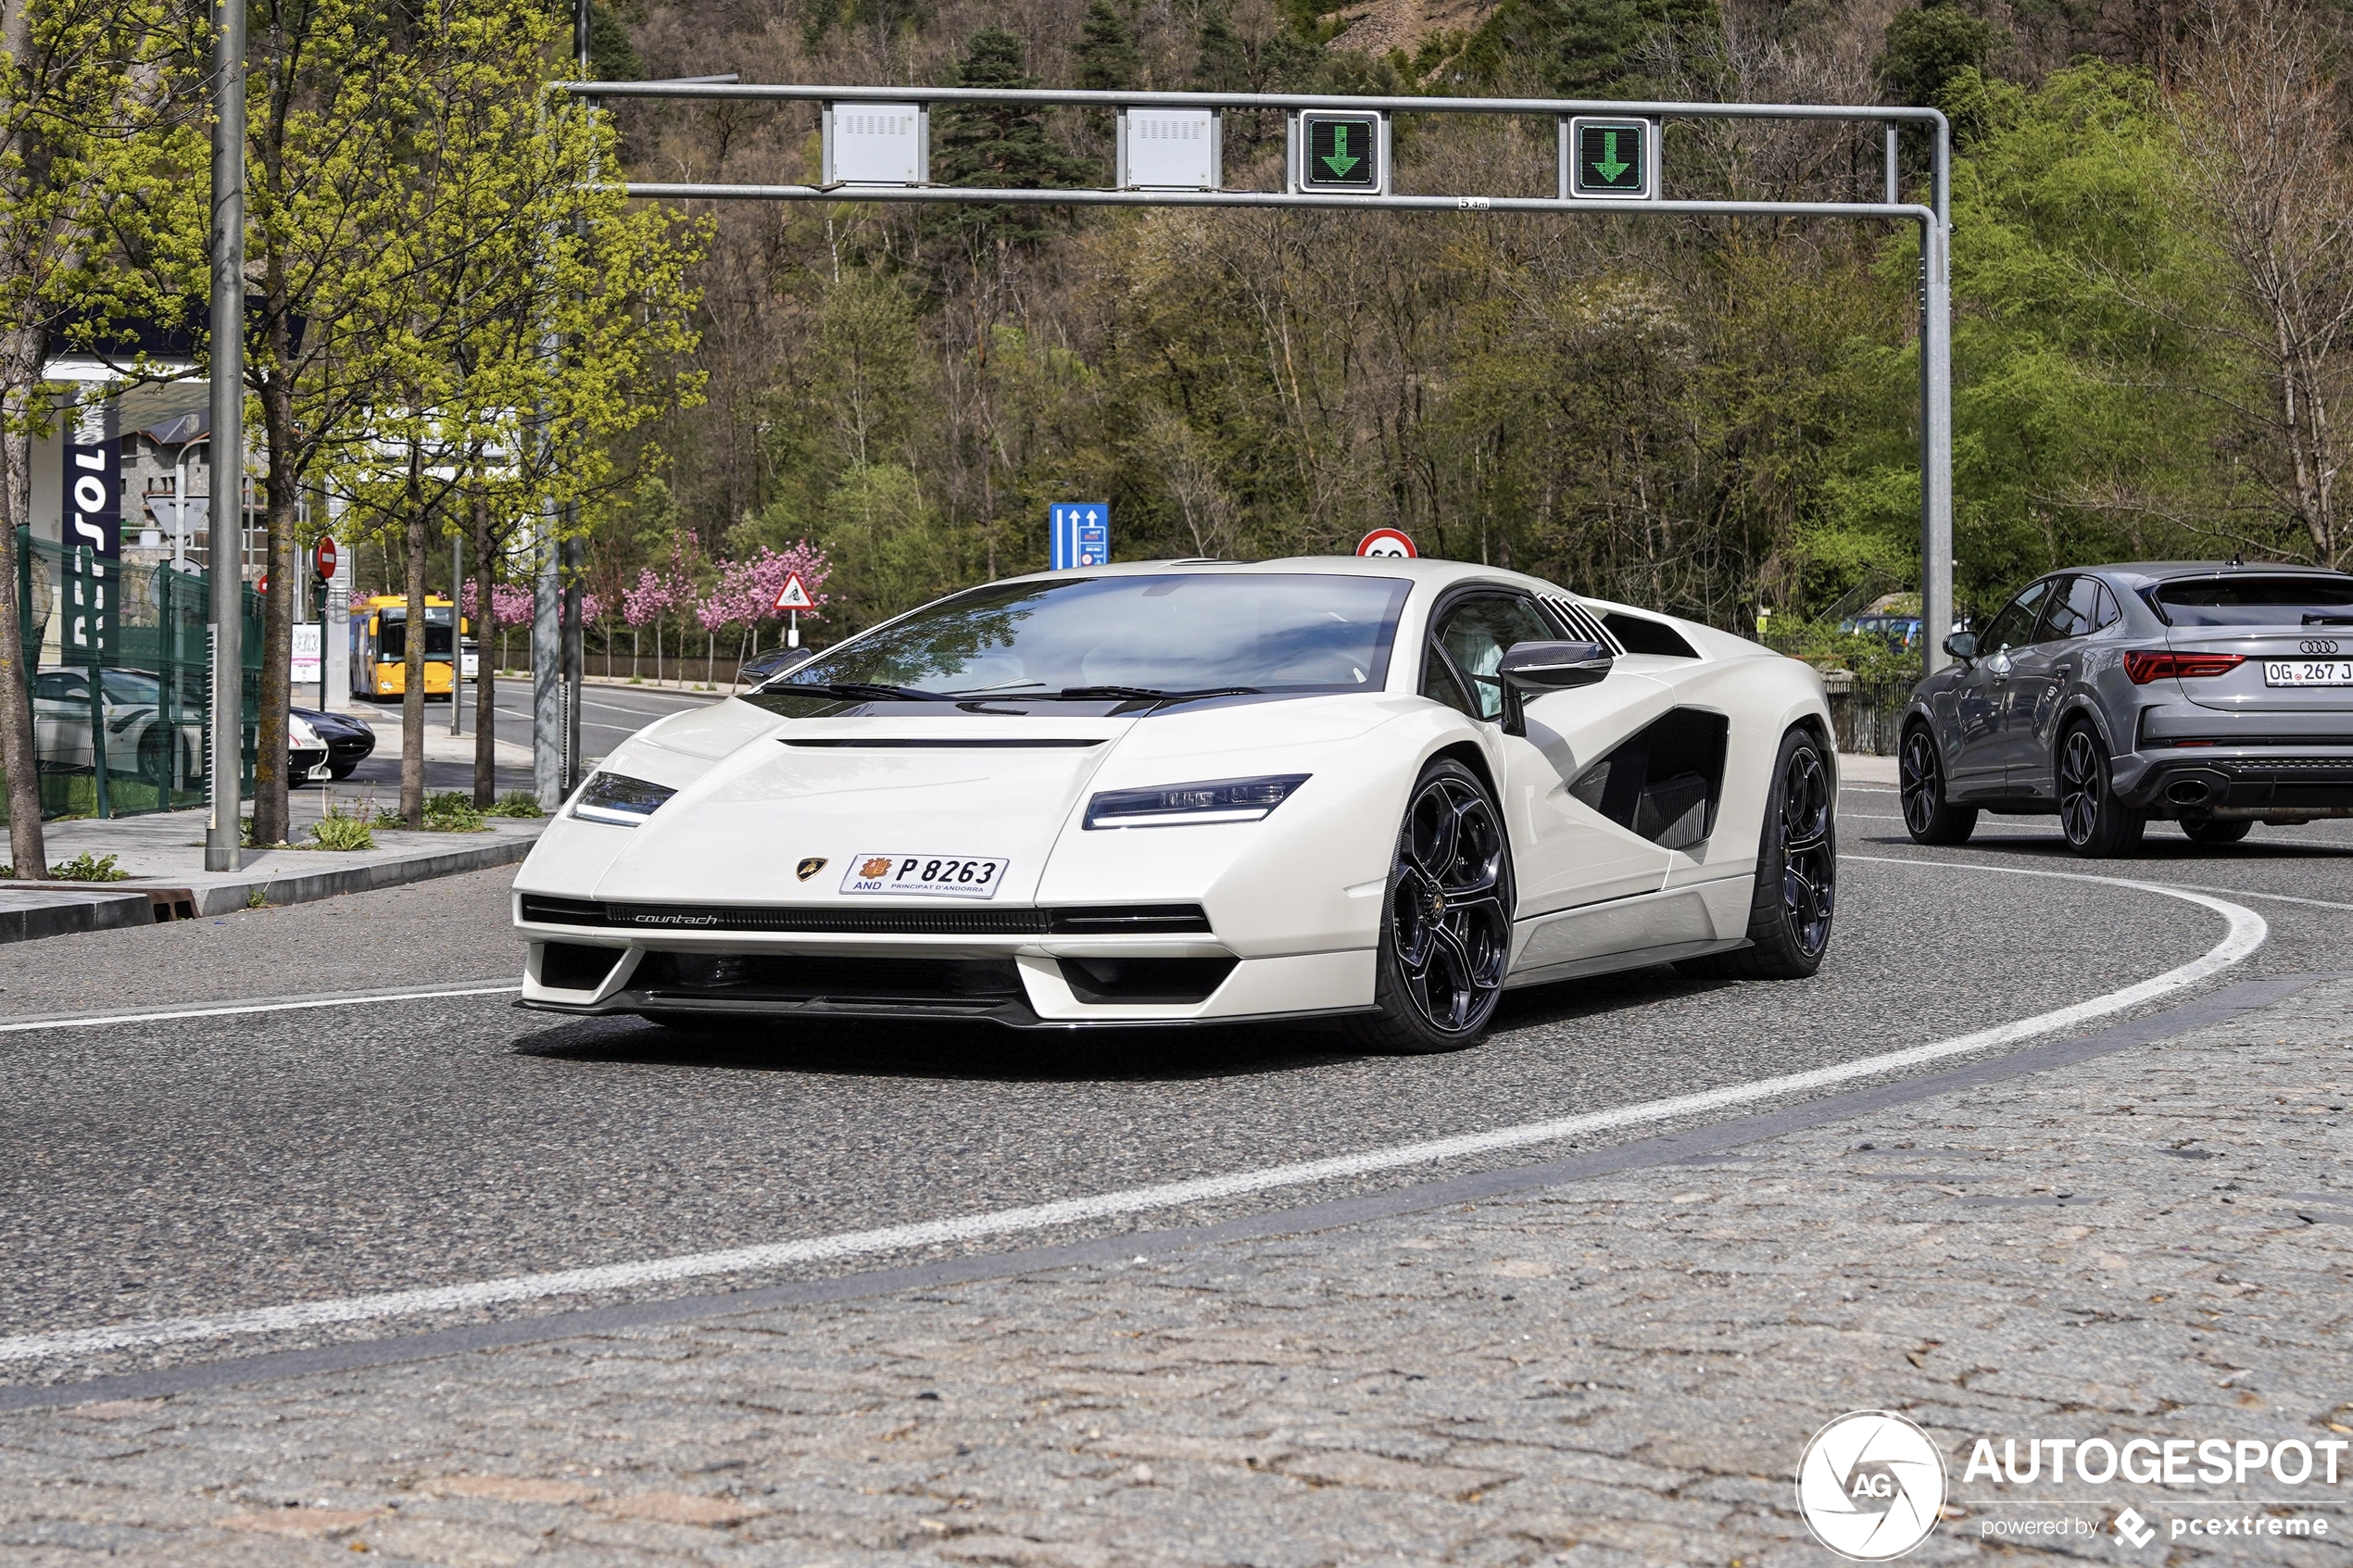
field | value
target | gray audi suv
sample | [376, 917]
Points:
[2218, 695]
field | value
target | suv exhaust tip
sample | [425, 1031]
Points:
[2187, 792]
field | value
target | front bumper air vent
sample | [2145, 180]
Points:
[1146, 919]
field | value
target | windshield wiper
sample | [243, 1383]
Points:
[1150, 694]
[2312, 619]
[859, 691]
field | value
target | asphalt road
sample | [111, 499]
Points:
[160, 1168]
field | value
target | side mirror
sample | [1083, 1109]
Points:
[1961, 645]
[1533, 668]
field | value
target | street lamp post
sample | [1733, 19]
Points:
[224, 765]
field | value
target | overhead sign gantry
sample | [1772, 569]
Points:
[1169, 148]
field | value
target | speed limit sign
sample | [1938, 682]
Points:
[1390, 542]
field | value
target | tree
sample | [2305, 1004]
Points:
[2259, 115]
[1106, 56]
[531, 318]
[81, 82]
[999, 147]
[1927, 49]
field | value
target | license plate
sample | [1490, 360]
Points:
[2308, 671]
[936, 876]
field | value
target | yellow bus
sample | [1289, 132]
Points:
[380, 645]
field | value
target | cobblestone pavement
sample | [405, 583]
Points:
[1622, 1370]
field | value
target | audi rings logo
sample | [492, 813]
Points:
[2317, 644]
[1870, 1486]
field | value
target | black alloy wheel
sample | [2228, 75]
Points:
[1796, 891]
[2097, 824]
[155, 757]
[1446, 922]
[1929, 816]
[2216, 830]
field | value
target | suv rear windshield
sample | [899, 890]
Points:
[2255, 601]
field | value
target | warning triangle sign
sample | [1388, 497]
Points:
[793, 595]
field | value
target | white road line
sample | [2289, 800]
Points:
[238, 1009]
[2246, 934]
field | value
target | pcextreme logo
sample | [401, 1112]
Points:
[1870, 1486]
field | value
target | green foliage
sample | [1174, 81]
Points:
[1927, 49]
[1106, 56]
[344, 830]
[86, 867]
[611, 57]
[1586, 48]
[453, 812]
[999, 146]
[515, 803]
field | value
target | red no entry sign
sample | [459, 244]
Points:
[322, 558]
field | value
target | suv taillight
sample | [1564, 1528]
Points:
[2144, 667]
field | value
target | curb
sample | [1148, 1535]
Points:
[50, 909]
[32, 912]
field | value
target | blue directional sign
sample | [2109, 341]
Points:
[1081, 532]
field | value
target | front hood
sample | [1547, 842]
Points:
[844, 790]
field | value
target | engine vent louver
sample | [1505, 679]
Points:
[1582, 625]
[652, 919]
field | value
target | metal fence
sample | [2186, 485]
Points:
[120, 653]
[1866, 716]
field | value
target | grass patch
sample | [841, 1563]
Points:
[516, 803]
[337, 830]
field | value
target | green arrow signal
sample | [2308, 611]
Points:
[1608, 165]
[1338, 160]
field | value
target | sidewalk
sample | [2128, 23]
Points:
[164, 854]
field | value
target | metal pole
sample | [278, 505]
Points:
[457, 633]
[1936, 414]
[225, 766]
[574, 655]
[1891, 181]
[546, 695]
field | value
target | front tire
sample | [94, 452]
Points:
[1446, 920]
[1789, 918]
[1929, 816]
[2097, 824]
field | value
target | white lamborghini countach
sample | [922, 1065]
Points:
[1375, 790]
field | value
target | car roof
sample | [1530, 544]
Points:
[2148, 572]
[1420, 570]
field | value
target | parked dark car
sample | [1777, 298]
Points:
[2214, 695]
[348, 742]
[773, 663]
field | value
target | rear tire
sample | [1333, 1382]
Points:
[1928, 817]
[2217, 830]
[1446, 920]
[2098, 825]
[1788, 917]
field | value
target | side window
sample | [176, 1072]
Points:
[2015, 626]
[1477, 631]
[2074, 609]
[1440, 686]
[2109, 612]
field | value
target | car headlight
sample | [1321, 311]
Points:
[1213, 800]
[619, 799]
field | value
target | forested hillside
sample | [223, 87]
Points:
[2151, 277]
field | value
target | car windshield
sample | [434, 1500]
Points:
[2300, 600]
[129, 685]
[1134, 636]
